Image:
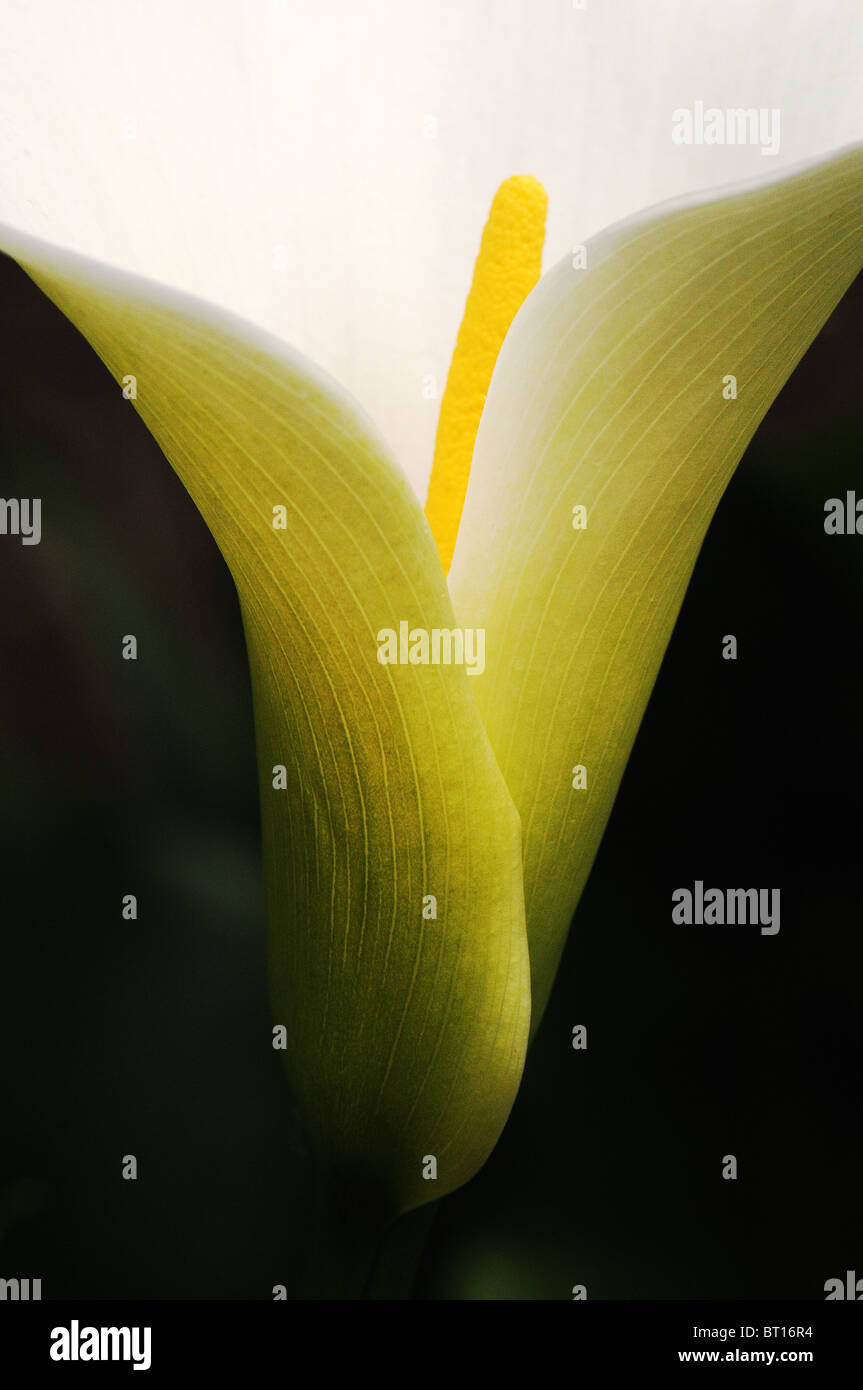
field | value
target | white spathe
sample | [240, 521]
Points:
[325, 168]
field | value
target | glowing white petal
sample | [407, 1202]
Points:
[325, 168]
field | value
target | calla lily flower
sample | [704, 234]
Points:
[260, 215]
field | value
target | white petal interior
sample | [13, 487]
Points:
[325, 168]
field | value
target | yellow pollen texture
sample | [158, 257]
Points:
[507, 268]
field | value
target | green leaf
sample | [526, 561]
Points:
[608, 393]
[405, 1034]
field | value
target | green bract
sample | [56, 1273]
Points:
[613, 392]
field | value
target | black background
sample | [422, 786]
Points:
[154, 1037]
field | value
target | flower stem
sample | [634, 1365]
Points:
[394, 1273]
[360, 1250]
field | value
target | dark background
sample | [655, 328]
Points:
[153, 1037]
